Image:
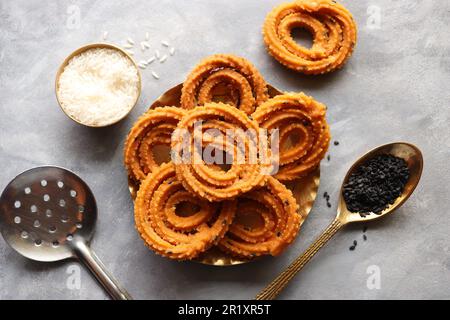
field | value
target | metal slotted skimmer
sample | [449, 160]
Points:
[49, 214]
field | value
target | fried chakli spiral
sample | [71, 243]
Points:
[207, 179]
[300, 115]
[280, 222]
[331, 24]
[153, 128]
[246, 85]
[171, 235]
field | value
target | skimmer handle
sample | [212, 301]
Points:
[90, 259]
[276, 286]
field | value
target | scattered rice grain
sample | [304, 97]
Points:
[105, 35]
[130, 41]
[147, 36]
[151, 60]
[157, 54]
[165, 43]
[163, 58]
[155, 75]
[172, 51]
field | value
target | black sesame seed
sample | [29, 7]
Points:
[336, 143]
[364, 237]
[328, 157]
[328, 205]
[364, 229]
[352, 248]
[355, 243]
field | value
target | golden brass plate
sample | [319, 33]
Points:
[304, 190]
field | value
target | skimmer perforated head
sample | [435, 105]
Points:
[48, 214]
[43, 210]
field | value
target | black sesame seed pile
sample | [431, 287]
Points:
[376, 184]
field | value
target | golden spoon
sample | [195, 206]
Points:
[413, 157]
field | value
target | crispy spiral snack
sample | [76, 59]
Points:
[280, 222]
[296, 114]
[246, 85]
[153, 128]
[331, 24]
[206, 178]
[171, 235]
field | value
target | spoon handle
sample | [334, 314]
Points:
[90, 259]
[276, 286]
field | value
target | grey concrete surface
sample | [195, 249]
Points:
[395, 87]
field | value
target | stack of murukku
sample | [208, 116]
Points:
[216, 190]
